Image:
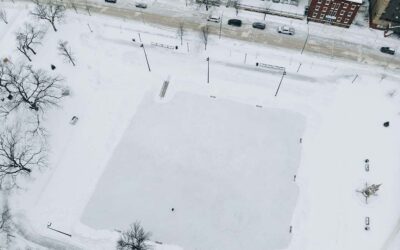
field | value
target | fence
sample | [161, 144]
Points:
[270, 12]
[270, 66]
[164, 45]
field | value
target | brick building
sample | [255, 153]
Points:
[336, 12]
[385, 14]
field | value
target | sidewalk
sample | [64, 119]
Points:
[355, 34]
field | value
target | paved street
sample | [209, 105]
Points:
[194, 21]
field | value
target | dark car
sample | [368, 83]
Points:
[387, 50]
[111, 1]
[306, 10]
[235, 22]
[141, 5]
[259, 25]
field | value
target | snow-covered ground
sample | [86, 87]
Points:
[225, 168]
[344, 105]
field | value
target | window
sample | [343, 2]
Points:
[337, 5]
[346, 20]
[349, 14]
[342, 12]
[324, 9]
[314, 14]
[339, 19]
[322, 16]
[353, 7]
[345, 5]
[327, 2]
[317, 8]
[319, 1]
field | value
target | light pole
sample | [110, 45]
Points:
[305, 43]
[145, 54]
[220, 25]
[280, 82]
[208, 69]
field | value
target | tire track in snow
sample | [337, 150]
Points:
[392, 236]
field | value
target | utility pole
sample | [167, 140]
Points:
[208, 69]
[145, 54]
[266, 10]
[299, 67]
[305, 43]
[220, 26]
[280, 82]
[90, 28]
[355, 78]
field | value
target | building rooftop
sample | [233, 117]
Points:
[392, 12]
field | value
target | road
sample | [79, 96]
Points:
[316, 45]
[195, 20]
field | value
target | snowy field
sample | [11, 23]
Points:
[124, 128]
[226, 168]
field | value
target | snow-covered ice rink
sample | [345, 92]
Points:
[226, 168]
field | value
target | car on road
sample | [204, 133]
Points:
[235, 22]
[214, 18]
[259, 25]
[111, 1]
[387, 50]
[141, 5]
[284, 29]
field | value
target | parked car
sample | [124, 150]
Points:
[111, 1]
[214, 18]
[306, 10]
[387, 50]
[259, 25]
[235, 22]
[284, 29]
[141, 5]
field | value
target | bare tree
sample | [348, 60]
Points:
[65, 51]
[134, 238]
[50, 11]
[236, 5]
[6, 226]
[73, 5]
[18, 156]
[181, 31]
[24, 85]
[3, 16]
[28, 37]
[5, 219]
[87, 7]
[204, 35]
[369, 190]
[21, 46]
[3, 80]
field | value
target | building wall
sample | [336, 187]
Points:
[336, 12]
[377, 8]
